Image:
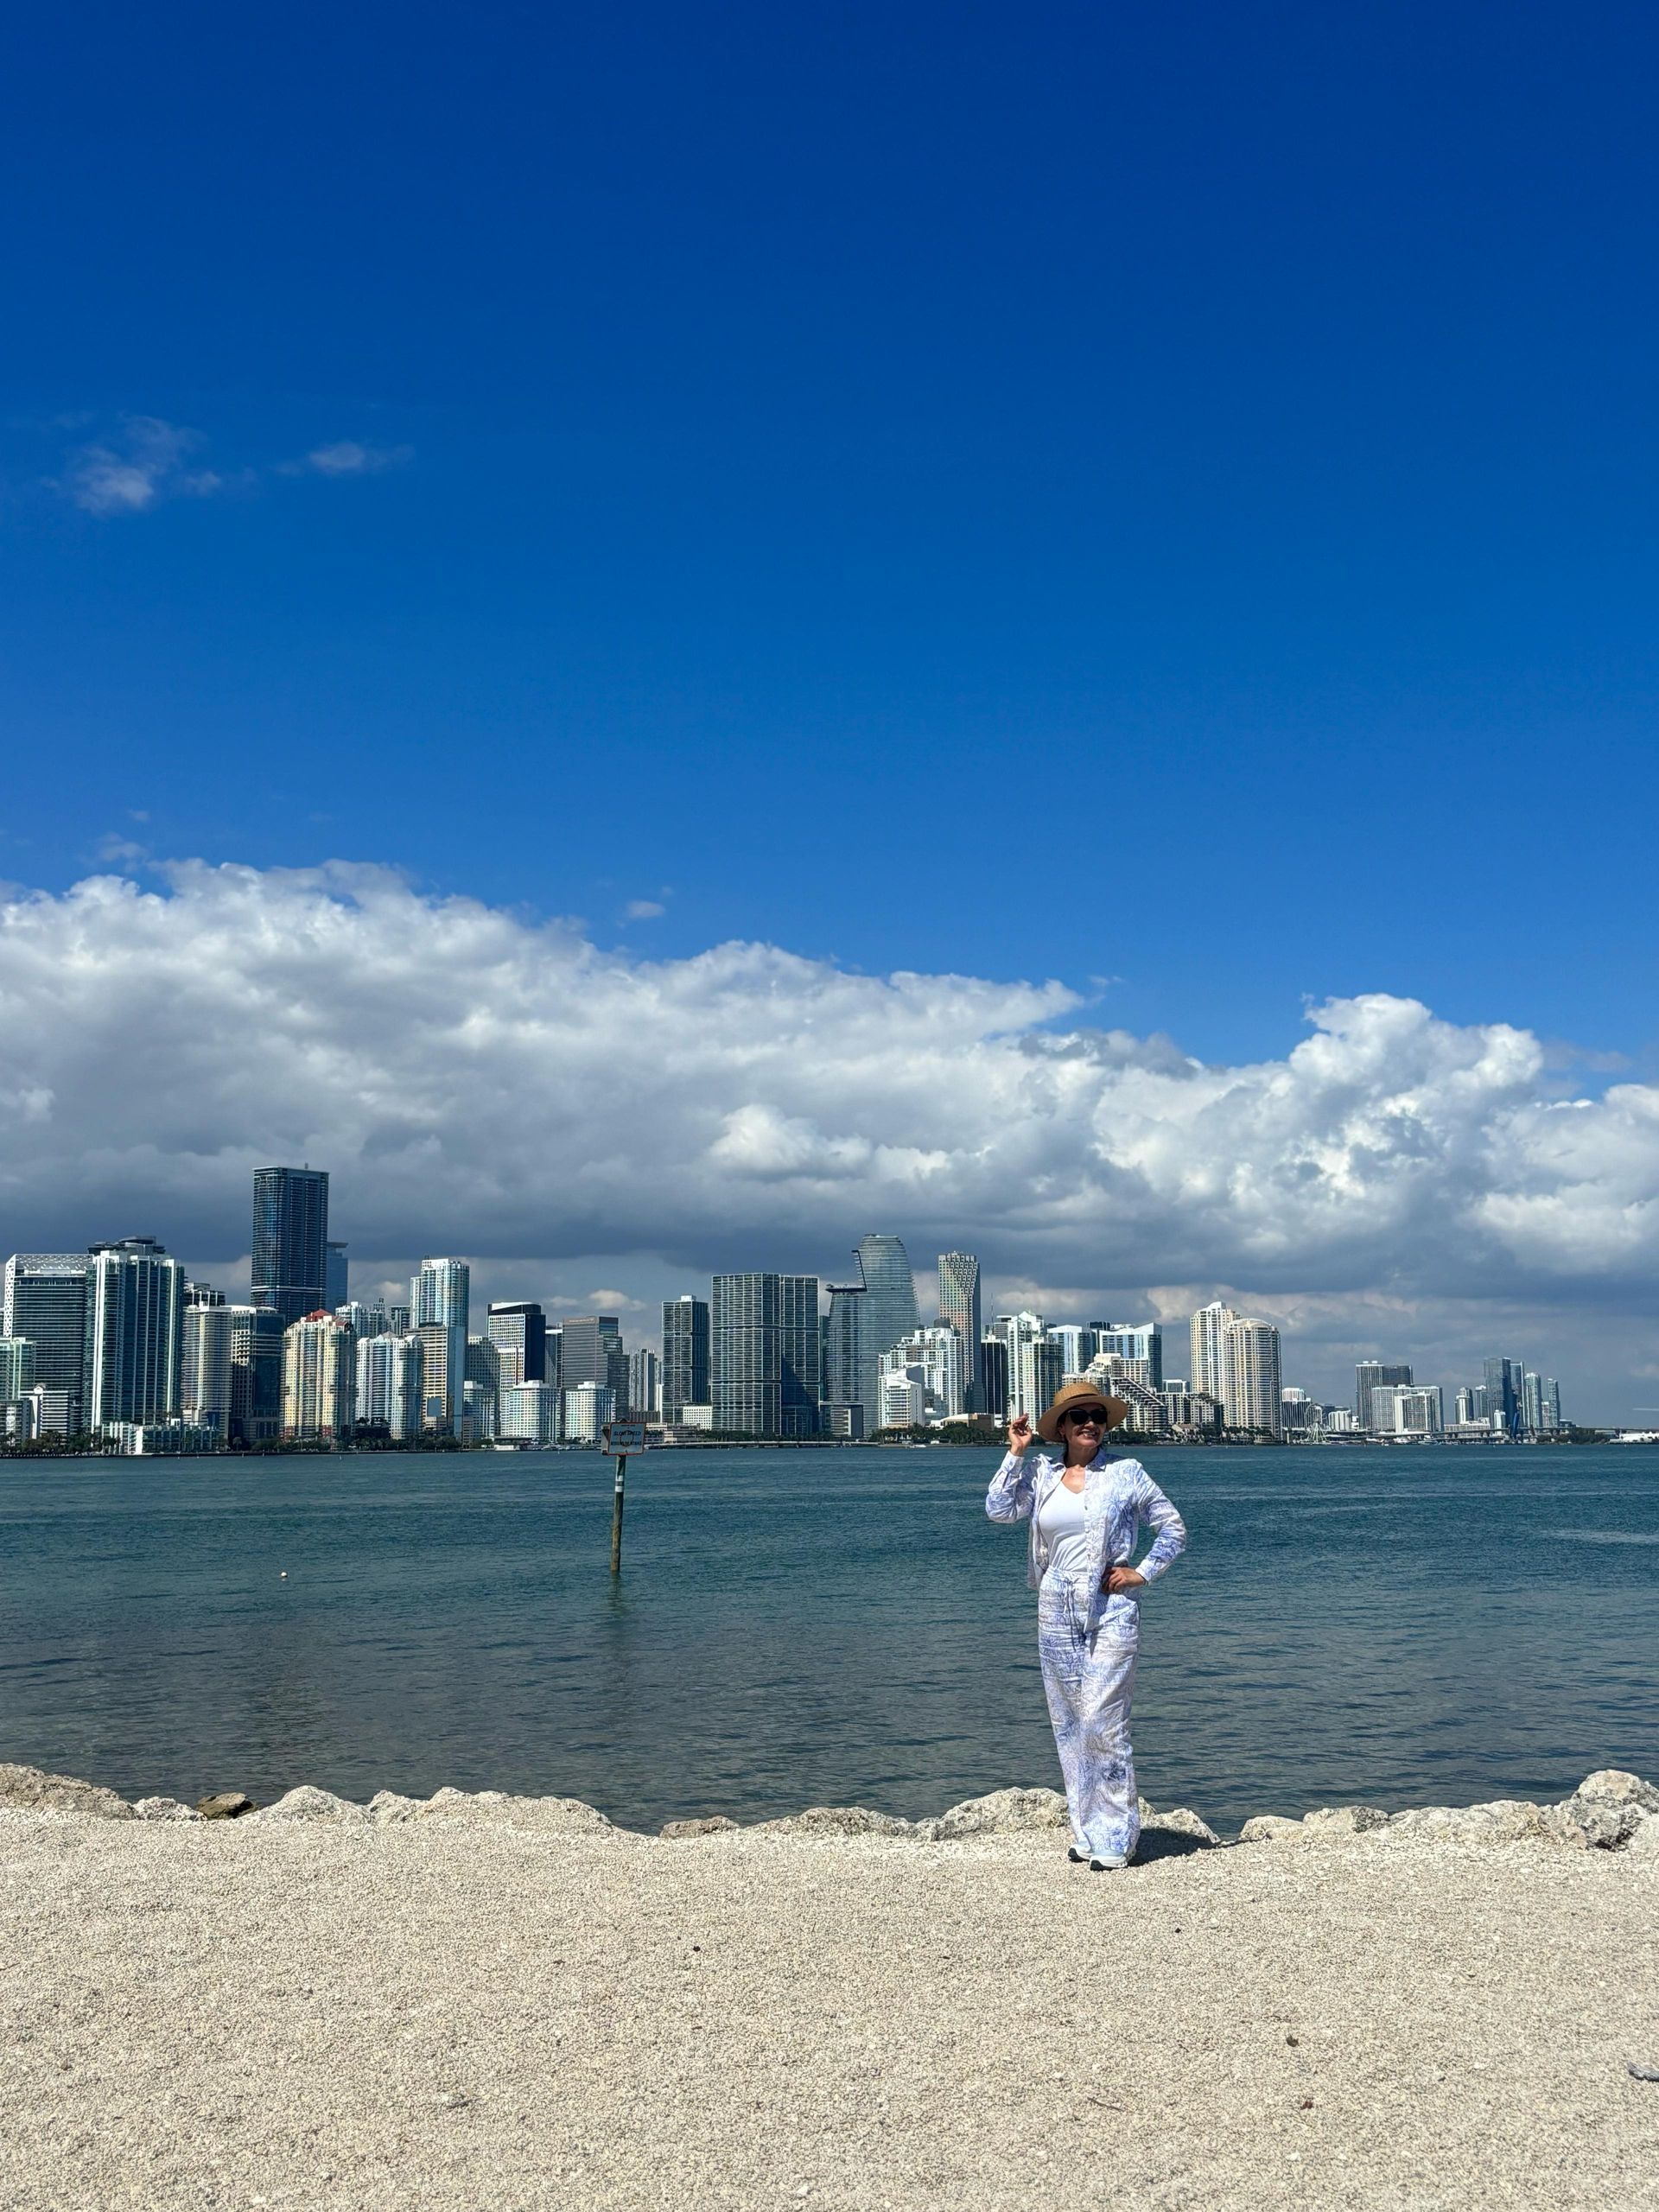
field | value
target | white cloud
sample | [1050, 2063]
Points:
[346, 457]
[144, 461]
[644, 910]
[482, 1085]
[140, 464]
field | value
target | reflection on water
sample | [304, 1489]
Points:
[797, 1628]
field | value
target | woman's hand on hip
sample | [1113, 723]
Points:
[1019, 1432]
[1118, 1581]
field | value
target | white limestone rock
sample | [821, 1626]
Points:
[1611, 1785]
[1272, 1828]
[560, 1815]
[1003, 1812]
[164, 1808]
[1180, 1819]
[386, 1807]
[307, 1803]
[1343, 1820]
[31, 1790]
[838, 1819]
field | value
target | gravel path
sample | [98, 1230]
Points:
[450, 2013]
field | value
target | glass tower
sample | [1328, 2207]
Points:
[686, 1355]
[45, 1301]
[135, 1332]
[518, 1329]
[290, 1240]
[959, 1307]
[889, 1314]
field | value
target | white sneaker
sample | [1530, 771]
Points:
[1113, 1863]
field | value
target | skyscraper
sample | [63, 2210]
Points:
[799, 1352]
[994, 1375]
[840, 1357]
[763, 1363]
[1134, 1340]
[1034, 1362]
[440, 1297]
[336, 1276]
[389, 1384]
[593, 1351]
[204, 1368]
[135, 1316]
[1503, 1388]
[318, 1380]
[1207, 1330]
[686, 1355]
[645, 1384]
[256, 1374]
[518, 1329]
[889, 1314]
[1254, 1383]
[959, 1307]
[290, 1240]
[45, 1301]
[1370, 1375]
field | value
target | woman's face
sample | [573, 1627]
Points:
[1085, 1425]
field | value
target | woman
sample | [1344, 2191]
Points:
[1086, 1509]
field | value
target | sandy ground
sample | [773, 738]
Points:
[448, 2014]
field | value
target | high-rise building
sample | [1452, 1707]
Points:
[799, 1350]
[994, 1375]
[1135, 1340]
[587, 1409]
[1370, 1375]
[389, 1384]
[206, 1369]
[482, 1396]
[440, 1298]
[45, 1301]
[937, 1358]
[686, 1355]
[364, 1321]
[1504, 1386]
[842, 1356]
[518, 1329]
[1253, 1386]
[17, 1368]
[889, 1313]
[135, 1316]
[1034, 1362]
[1076, 1345]
[645, 1385]
[531, 1414]
[290, 1241]
[256, 1374]
[1406, 1409]
[318, 1380]
[1207, 1330]
[592, 1351]
[763, 1354]
[959, 1309]
[336, 1276]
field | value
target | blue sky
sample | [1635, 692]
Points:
[1040, 491]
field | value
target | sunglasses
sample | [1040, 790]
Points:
[1087, 1417]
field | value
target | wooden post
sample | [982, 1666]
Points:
[616, 1514]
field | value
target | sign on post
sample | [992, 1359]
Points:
[620, 1437]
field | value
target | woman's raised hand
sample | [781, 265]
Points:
[1019, 1432]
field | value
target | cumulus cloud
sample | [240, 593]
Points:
[644, 910]
[482, 1083]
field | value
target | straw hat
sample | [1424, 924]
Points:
[1080, 1394]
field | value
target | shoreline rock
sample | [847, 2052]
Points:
[1610, 1810]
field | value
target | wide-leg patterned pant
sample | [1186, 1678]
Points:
[1088, 1676]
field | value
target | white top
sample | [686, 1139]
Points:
[1060, 1525]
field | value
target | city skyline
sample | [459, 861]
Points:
[783, 1355]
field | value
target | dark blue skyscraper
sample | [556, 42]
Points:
[290, 1240]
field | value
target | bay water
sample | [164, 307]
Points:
[1422, 1624]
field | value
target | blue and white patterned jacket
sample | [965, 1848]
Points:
[1119, 1499]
